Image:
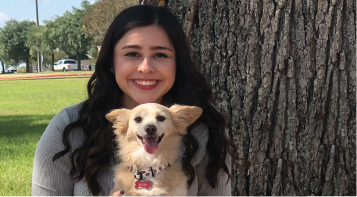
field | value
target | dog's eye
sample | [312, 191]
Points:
[160, 118]
[137, 119]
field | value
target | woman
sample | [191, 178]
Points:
[144, 58]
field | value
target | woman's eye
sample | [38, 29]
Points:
[132, 54]
[161, 55]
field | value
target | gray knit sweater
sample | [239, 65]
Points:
[53, 178]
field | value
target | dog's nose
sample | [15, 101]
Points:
[150, 129]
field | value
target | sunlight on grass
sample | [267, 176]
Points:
[26, 107]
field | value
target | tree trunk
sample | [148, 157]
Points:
[3, 67]
[284, 75]
[53, 61]
[78, 61]
[28, 65]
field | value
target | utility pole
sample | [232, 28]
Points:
[38, 54]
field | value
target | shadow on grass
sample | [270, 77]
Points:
[19, 136]
[19, 126]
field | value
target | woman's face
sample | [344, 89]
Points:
[144, 65]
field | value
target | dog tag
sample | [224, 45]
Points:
[143, 185]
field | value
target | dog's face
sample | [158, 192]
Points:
[147, 125]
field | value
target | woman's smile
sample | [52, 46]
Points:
[147, 84]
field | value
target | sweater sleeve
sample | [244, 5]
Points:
[49, 177]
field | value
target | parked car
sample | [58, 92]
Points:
[65, 65]
[9, 70]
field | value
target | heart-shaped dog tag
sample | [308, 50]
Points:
[143, 185]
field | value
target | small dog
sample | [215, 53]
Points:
[149, 138]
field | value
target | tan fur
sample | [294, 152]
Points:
[169, 182]
[162, 3]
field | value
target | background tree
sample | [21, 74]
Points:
[284, 75]
[100, 16]
[35, 40]
[51, 48]
[13, 42]
[38, 42]
[67, 33]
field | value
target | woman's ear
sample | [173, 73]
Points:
[119, 118]
[183, 116]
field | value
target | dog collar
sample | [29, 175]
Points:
[141, 174]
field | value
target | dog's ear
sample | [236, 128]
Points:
[183, 116]
[119, 118]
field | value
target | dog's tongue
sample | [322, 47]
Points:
[151, 145]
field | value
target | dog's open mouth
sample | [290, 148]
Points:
[151, 144]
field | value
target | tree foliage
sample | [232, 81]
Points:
[37, 41]
[100, 16]
[13, 42]
[66, 33]
[60, 38]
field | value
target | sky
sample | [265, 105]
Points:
[26, 9]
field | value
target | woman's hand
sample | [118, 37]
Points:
[117, 193]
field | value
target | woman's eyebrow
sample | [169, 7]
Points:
[160, 48]
[132, 47]
[151, 48]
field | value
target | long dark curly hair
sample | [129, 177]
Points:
[189, 88]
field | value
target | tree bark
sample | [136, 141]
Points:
[284, 75]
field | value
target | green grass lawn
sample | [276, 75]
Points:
[26, 107]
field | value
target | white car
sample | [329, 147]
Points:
[65, 65]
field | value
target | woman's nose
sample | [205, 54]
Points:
[146, 66]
